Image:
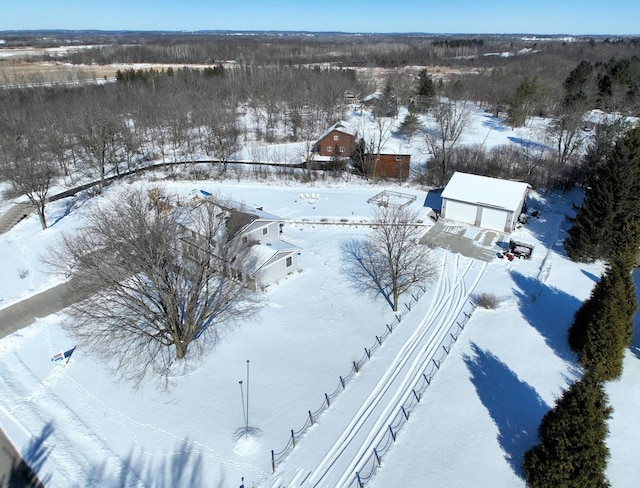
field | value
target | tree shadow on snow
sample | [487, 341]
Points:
[591, 276]
[496, 124]
[527, 143]
[515, 407]
[182, 467]
[27, 472]
[548, 310]
[635, 340]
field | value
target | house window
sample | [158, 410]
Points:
[265, 231]
[289, 261]
[329, 149]
[336, 138]
[341, 149]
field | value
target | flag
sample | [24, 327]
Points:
[67, 354]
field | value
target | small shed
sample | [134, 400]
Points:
[491, 203]
[391, 165]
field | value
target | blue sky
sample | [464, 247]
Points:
[615, 17]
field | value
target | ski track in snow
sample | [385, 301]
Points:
[400, 378]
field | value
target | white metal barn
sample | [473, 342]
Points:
[485, 202]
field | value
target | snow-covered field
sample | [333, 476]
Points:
[471, 427]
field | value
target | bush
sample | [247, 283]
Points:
[487, 300]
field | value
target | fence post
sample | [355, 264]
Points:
[455, 339]
[367, 352]
[408, 307]
[434, 362]
[460, 325]
[406, 416]
[355, 366]
[445, 348]
[375, 451]
[293, 438]
[326, 397]
[360, 485]
[389, 328]
[273, 462]
[426, 379]
[379, 341]
[310, 417]
[414, 394]
[342, 381]
[393, 435]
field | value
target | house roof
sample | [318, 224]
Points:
[485, 191]
[341, 126]
[270, 252]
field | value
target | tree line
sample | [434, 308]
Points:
[572, 451]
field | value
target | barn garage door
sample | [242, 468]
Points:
[493, 219]
[462, 212]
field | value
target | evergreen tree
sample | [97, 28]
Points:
[409, 125]
[572, 452]
[611, 205]
[426, 90]
[580, 85]
[607, 333]
[524, 101]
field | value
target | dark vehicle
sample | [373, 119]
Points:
[520, 249]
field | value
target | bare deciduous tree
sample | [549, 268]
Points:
[451, 119]
[160, 280]
[391, 261]
[30, 171]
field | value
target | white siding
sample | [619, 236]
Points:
[277, 270]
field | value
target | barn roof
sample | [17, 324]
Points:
[485, 191]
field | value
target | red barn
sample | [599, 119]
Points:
[338, 140]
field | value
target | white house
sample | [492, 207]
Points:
[491, 203]
[275, 258]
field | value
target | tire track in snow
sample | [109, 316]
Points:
[397, 381]
[408, 366]
[426, 353]
[443, 290]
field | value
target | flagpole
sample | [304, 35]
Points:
[247, 420]
[242, 396]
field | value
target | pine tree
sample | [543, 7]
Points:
[409, 125]
[580, 85]
[611, 205]
[426, 90]
[609, 329]
[572, 452]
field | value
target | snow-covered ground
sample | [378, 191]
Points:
[470, 428]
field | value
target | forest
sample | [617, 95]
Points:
[194, 93]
